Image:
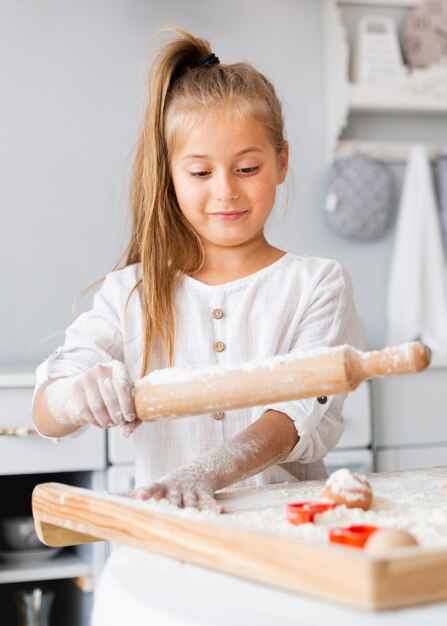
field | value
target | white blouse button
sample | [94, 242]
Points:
[219, 415]
[219, 346]
[217, 314]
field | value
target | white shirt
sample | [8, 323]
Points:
[296, 304]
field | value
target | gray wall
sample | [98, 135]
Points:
[73, 82]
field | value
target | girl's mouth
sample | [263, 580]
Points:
[230, 216]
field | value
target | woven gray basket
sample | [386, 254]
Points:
[359, 201]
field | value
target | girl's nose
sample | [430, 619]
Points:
[225, 189]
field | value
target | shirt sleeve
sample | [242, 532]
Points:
[94, 337]
[329, 320]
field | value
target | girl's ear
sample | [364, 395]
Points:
[283, 163]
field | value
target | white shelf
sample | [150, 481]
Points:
[65, 565]
[387, 151]
[382, 3]
[419, 91]
[370, 98]
[17, 378]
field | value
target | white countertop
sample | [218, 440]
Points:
[17, 376]
[168, 592]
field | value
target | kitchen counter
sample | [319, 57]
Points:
[173, 593]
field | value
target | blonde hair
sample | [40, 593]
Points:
[162, 240]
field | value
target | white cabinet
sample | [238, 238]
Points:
[120, 450]
[410, 420]
[356, 418]
[361, 461]
[410, 410]
[27, 459]
[120, 478]
[354, 448]
[395, 459]
[33, 454]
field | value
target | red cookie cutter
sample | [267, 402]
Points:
[303, 512]
[355, 536]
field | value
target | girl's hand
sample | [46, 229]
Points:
[267, 441]
[102, 396]
[184, 487]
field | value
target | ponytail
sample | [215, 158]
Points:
[162, 240]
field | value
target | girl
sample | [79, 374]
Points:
[202, 285]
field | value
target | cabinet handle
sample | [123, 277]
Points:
[19, 431]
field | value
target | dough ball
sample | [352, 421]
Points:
[346, 487]
[386, 539]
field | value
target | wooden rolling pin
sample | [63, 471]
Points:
[178, 392]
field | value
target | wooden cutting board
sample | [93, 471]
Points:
[66, 515]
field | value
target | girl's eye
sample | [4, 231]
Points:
[199, 174]
[248, 170]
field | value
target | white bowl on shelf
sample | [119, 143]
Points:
[19, 533]
[29, 557]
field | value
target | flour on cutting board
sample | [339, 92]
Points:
[411, 500]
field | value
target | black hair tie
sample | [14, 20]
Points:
[209, 60]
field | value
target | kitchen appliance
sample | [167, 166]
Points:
[377, 50]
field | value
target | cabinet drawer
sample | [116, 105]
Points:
[395, 459]
[34, 454]
[121, 450]
[356, 460]
[356, 418]
[410, 409]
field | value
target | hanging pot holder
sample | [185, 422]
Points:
[359, 201]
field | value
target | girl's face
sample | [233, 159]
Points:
[225, 175]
